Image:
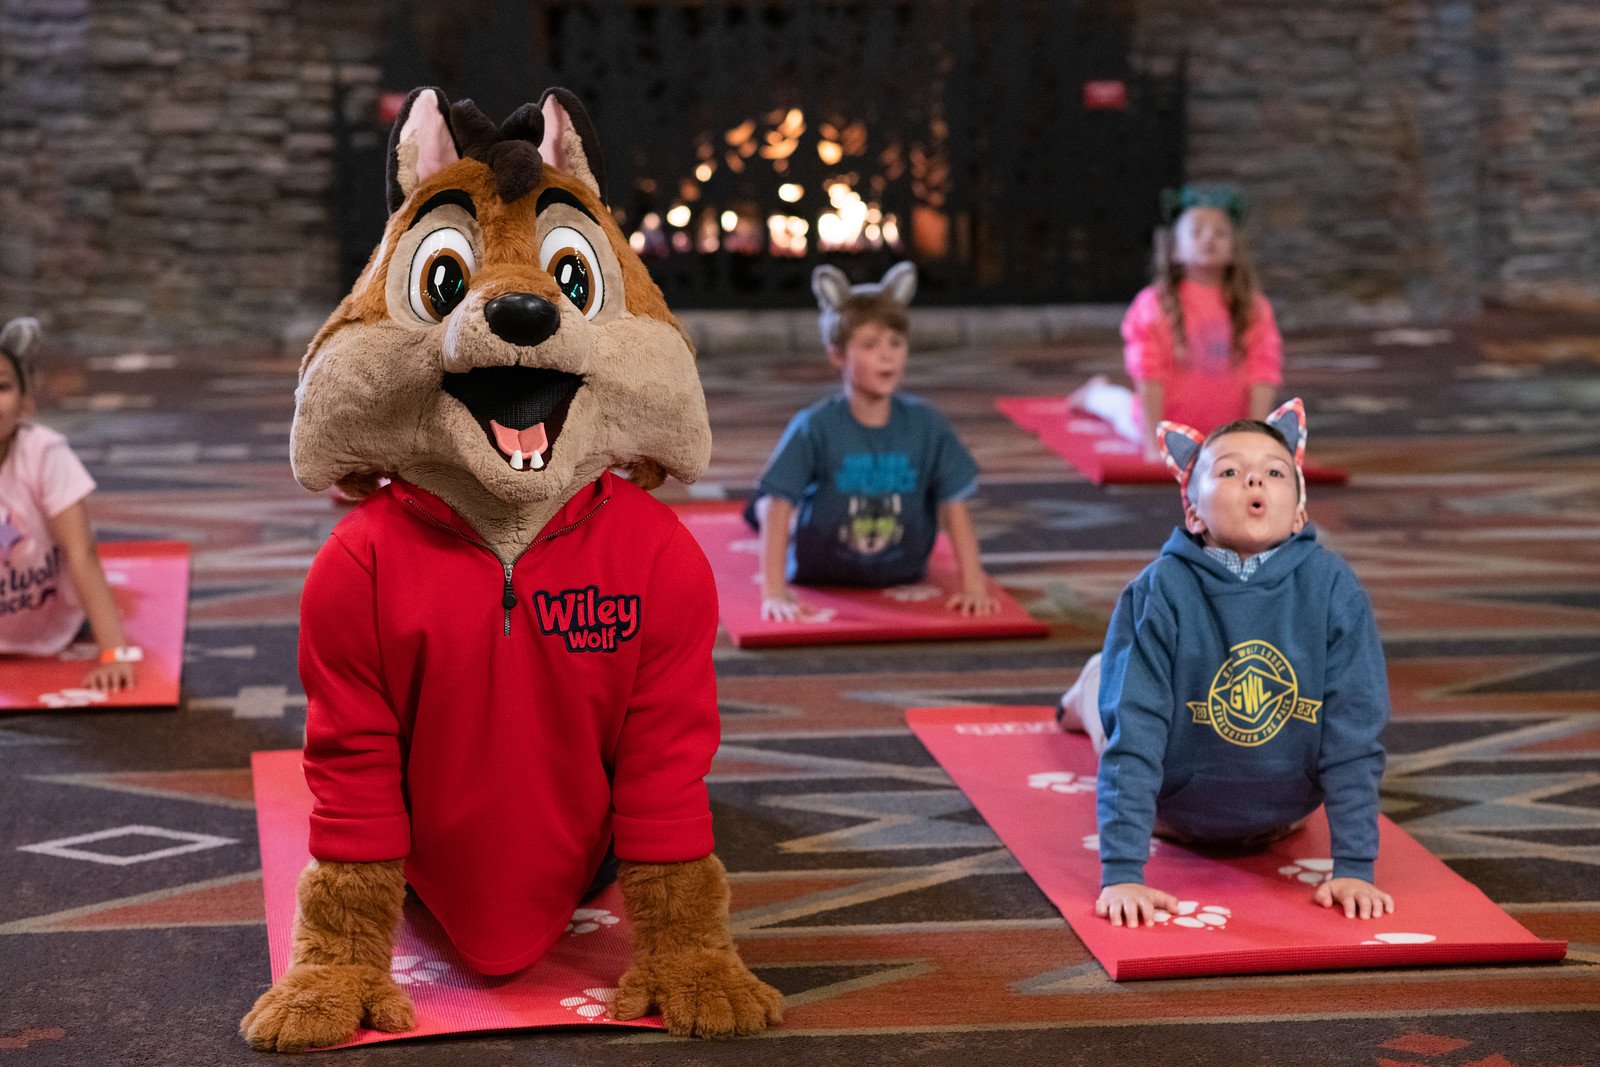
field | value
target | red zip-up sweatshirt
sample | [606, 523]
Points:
[498, 727]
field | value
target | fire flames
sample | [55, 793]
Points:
[835, 216]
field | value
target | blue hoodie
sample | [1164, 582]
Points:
[1234, 708]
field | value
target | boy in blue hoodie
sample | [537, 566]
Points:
[1242, 682]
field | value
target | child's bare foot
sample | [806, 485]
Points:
[1076, 398]
[1078, 710]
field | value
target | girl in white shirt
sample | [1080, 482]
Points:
[50, 573]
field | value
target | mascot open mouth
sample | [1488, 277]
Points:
[521, 409]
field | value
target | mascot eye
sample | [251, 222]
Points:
[571, 261]
[441, 269]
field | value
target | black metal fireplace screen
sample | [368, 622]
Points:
[1015, 149]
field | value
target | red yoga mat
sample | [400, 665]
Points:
[571, 984]
[1097, 452]
[835, 615]
[150, 582]
[1035, 785]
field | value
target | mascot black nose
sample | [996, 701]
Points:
[522, 318]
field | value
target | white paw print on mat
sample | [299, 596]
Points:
[749, 545]
[816, 615]
[911, 594]
[1196, 916]
[588, 920]
[1061, 782]
[71, 698]
[1400, 939]
[1311, 871]
[406, 970]
[592, 1004]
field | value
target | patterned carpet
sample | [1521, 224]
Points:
[865, 886]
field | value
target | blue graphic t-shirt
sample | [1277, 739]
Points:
[866, 498]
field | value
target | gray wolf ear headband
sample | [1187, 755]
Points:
[17, 338]
[1180, 444]
[1225, 198]
[832, 288]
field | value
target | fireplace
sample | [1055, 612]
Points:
[1014, 149]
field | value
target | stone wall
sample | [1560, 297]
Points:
[1406, 159]
[166, 168]
[1540, 194]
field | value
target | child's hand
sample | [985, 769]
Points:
[969, 602]
[1360, 899]
[1127, 902]
[110, 677]
[782, 606]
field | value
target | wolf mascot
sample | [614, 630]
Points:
[506, 647]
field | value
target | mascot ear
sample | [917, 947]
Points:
[1180, 445]
[421, 144]
[900, 282]
[570, 144]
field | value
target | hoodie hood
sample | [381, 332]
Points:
[1217, 579]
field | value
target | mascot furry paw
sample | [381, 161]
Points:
[506, 648]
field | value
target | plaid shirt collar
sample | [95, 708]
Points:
[1242, 566]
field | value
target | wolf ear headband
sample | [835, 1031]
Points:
[833, 289]
[1225, 198]
[1180, 444]
[17, 337]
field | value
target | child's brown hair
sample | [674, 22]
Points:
[1239, 289]
[861, 310]
[1256, 426]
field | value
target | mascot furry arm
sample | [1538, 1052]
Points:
[506, 649]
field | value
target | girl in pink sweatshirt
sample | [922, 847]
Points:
[1200, 342]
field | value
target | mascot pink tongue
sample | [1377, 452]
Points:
[511, 698]
[530, 442]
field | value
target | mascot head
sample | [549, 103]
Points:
[504, 344]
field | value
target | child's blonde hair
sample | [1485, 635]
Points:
[1239, 288]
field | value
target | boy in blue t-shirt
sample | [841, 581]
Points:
[856, 489]
[1242, 682]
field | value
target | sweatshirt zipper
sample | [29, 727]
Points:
[508, 595]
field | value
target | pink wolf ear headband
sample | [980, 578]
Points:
[1180, 444]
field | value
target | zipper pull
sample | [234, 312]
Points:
[508, 600]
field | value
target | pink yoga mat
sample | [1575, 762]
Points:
[1096, 451]
[1034, 784]
[150, 582]
[572, 984]
[836, 615]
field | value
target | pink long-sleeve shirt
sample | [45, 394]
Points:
[1204, 387]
